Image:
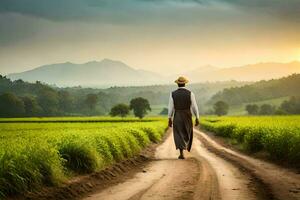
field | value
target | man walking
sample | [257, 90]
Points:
[182, 103]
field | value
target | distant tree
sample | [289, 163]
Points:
[221, 108]
[140, 106]
[120, 110]
[66, 101]
[291, 106]
[91, 101]
[164, 111]
[48, 100]
[252, 109]
[267, 109]
[31, 106]
[11, 106]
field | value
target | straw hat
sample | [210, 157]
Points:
[181, 80]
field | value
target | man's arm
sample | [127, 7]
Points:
[195, 108]
[170, 110]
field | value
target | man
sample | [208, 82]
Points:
[182, 103]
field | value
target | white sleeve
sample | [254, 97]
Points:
[171, 106]
[194, 106]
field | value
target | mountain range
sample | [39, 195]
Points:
[253, 72]
[108, 73]
[91, 74]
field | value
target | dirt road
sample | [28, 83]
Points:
[209, 172]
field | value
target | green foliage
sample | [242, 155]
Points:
[37, 154]
[164, 111]
[121, 110]
[267, 109]
[72, 101]
[277, 135]
[11, 106]
[252, 109]
[65, 101]
[153, 134]
[79, 155]
[140, 106]
[262, 90]
[91, 101]
[48, 100]
[221, 108]
[142, 138]
[291, 106]
[25, 166]
[31, 106]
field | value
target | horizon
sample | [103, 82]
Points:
[98, 61]
[158, 36]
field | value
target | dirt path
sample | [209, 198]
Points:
[202, 175]
[282, 183]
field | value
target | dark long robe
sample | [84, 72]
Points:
[182, 122]
[183, 129]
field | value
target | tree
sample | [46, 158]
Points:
[48, 100]
[164, 111]
[267, 109]
[31, 106]
[252, 109]
[91, 101]
[140, 106]
[11, 106]
[291, 106]
[221, 108]
[65, 101]
[120, 110]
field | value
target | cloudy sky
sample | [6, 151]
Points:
[165, 36]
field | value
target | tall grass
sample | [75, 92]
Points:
[277, 135]
[37, 154]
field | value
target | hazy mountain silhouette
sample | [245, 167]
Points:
[115, 73]
[93, 74]
[254, 72]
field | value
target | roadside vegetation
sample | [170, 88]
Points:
[279, 136]
[33, 155]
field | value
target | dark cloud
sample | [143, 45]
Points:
[53, 9]
[116, 10]
[285, 9]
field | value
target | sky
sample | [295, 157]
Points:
[164, 36]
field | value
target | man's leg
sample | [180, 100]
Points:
[181, 156]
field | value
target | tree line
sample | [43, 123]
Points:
[259, 91]
[23, 99]
[291, 107]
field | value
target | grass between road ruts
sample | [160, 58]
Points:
[33, 155]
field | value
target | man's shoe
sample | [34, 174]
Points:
[181, 157]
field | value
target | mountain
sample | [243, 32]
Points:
[92, 74]
[254, 72]
[108, 73]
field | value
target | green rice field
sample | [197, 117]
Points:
[47, 151]
[279, 136]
